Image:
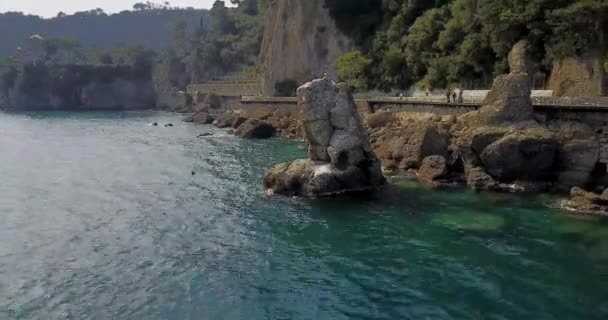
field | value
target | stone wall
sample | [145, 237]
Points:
[591, 111]
[226, 89]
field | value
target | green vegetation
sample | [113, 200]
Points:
[150, 25]
[229, 43]
[470, 221]
[351, 68]
[465, 42]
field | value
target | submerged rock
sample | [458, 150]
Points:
[470, 221]
[204, 135]
[585, 202]
[340, 156]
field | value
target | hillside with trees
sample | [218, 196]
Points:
[148, 24]
[231, 43]
[454, 42]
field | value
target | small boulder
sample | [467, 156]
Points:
[200, 118]
[255, 129]
[238, 121]
[225, 120]
[340, 156]
[380, 119]
[479, 179]
[206, 134]
[404, 147]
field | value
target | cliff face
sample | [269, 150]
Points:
[301, 42]
[578, 77]
[77, 87]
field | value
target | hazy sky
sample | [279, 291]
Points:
[50, 8]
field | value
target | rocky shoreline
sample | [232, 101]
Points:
[500, 147]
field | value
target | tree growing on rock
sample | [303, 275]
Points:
[351, 68]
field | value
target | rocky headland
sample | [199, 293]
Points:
[340, 159]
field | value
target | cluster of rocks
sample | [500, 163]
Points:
[341, 158]
[501, 146]
[258, 122]
[249, 128]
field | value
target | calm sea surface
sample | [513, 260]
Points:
[102, 218]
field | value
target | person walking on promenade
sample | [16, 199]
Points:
[448, 95]
[454, 96]
[461, 97]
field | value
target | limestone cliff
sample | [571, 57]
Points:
[301, 42]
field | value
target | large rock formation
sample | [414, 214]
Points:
[340, 156]
[301, 42]
[509, 99]
[502, 142]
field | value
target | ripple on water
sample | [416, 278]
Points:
[101, 218]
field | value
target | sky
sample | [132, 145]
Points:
[50, 8]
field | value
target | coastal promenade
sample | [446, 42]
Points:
[592, 110]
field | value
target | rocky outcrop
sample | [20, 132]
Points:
[301, 42]
[255, 129]
[578, 77]
[509, 99]
[340, 156]
[516, 154]
[501, 142]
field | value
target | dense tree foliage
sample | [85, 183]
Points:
[230, 43]
[465, 42]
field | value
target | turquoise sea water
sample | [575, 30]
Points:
[102, 218]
